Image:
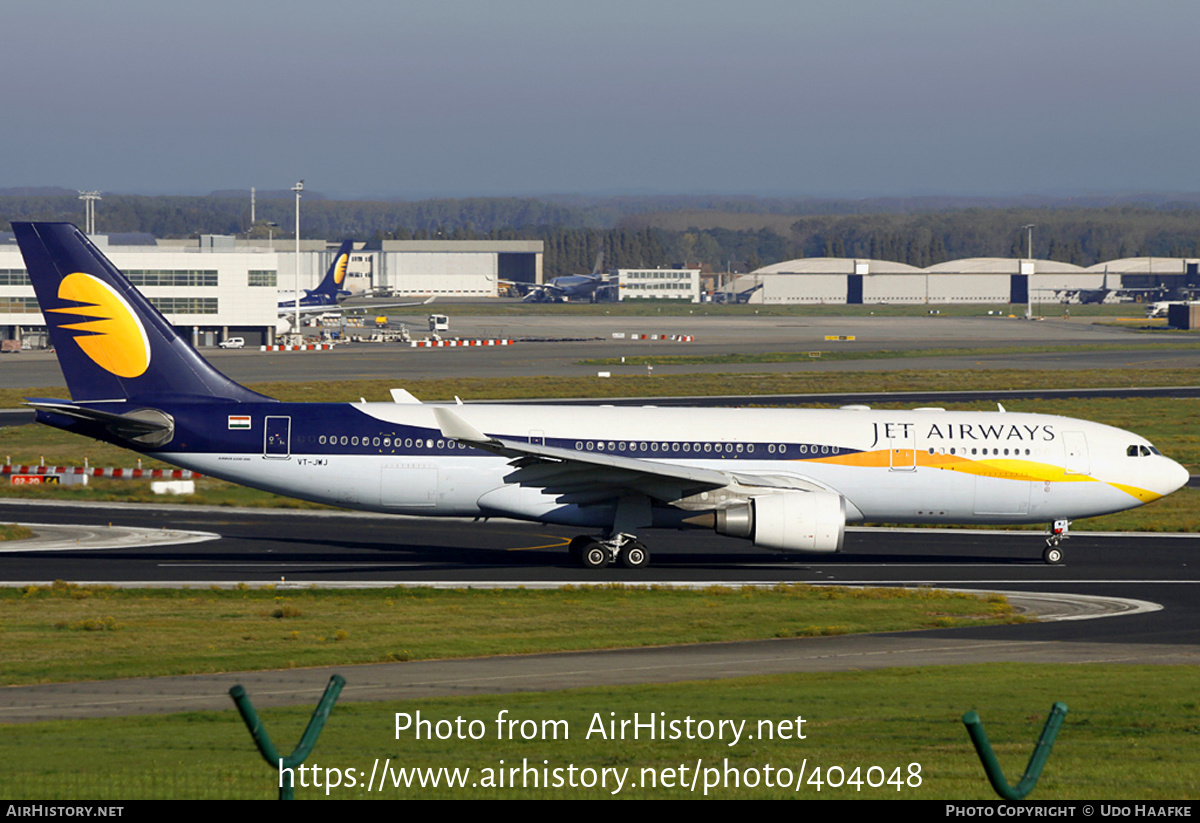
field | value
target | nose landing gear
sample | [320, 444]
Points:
[1053, 554]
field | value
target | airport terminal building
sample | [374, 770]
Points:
[657, 284]
[208, 294]
[216, 287]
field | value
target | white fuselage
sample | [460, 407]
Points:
[926, 466]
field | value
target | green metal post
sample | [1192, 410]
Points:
[286, 765]
[1036, 762]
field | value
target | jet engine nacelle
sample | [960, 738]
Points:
[788, 521]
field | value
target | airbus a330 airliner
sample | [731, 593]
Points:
[789, 480]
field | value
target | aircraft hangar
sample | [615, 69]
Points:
[466, 268]
[824, 280]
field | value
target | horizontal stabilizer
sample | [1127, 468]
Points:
[149, 426]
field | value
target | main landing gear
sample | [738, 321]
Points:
[596, 553]
[1053, 555]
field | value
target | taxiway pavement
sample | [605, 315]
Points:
[570, 340]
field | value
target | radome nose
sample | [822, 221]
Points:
[1174, 477]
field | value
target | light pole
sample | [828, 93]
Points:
[271, 226]
[298, 188]
[89, 199]
[1029, 227]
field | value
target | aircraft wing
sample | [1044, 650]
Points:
[368, 308]
[289, 310]
[585, 477]
[539, 293]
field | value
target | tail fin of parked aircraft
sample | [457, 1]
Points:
[112, 343]
[336, 276]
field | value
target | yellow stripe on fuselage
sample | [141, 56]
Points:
[1001, 468]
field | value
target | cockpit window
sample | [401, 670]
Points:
[1145, 451]
[1132, 451]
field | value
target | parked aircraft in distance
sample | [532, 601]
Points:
[789, 480]
[1102, 293]
[570, 286]
[328, 293]
[327, 297]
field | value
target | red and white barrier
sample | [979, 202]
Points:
[305, 347]
[450, 344]
[674, 338]
[108, 471]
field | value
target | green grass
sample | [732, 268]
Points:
[838, 356]
[14, 531]
[66, 632]
[690, 385]
[1129, 735]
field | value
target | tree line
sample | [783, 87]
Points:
[632, 234]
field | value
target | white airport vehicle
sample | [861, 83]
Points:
[1163, 308]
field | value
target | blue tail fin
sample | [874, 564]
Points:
[112, 344]
[336, 276]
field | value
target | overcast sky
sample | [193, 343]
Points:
[492, 97]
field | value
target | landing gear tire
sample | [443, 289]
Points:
[1053, 555]
[595, 556]
[578, 546]
[634, 556]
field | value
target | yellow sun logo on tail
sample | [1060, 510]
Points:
[339, 273]
[113, 337]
